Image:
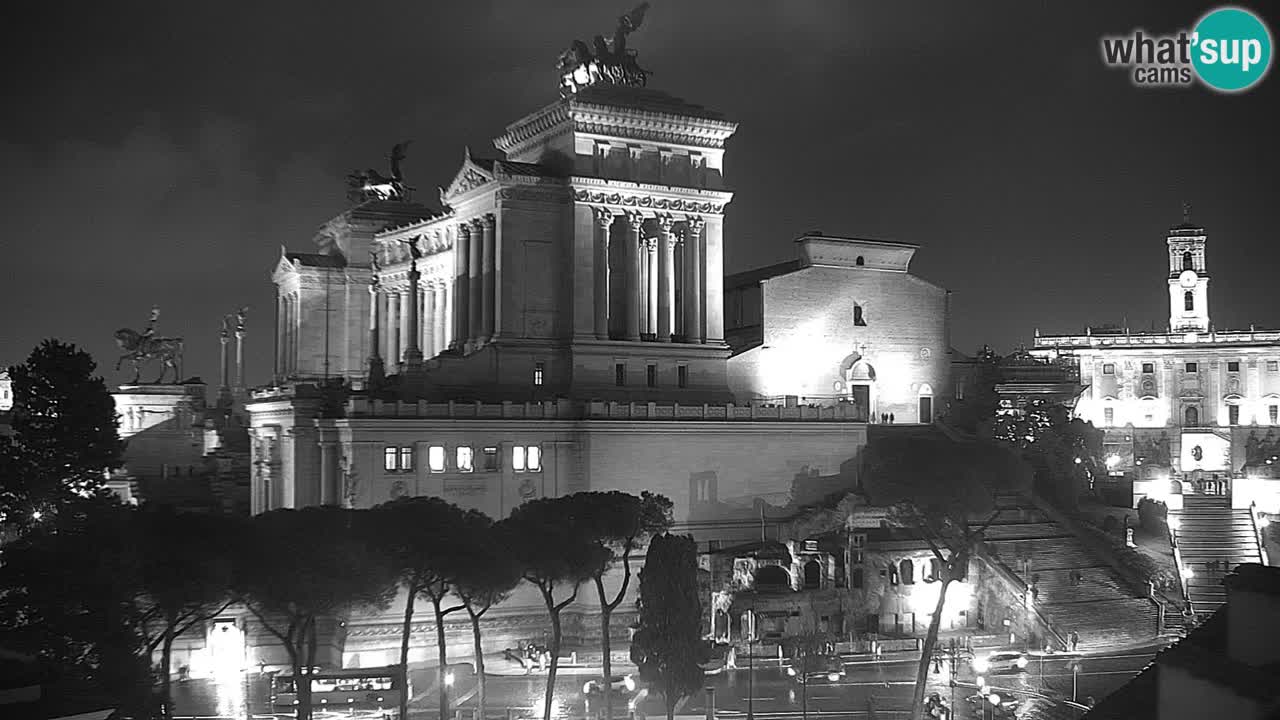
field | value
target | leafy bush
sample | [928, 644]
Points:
[1153, 515]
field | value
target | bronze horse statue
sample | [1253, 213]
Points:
[139, 348]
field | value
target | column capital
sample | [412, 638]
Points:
[464, 227]
[666, 223]
[695, 223]
[477, 224]
[488, 220]
[604, 216]
[635, 219]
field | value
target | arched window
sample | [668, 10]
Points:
[935, 570]
[857, 316]
[1191, 416]
[812, 575]
[772, 577]
[907, 572]
[859, 262]
[1188, 261]
[1175, 487]
[1188, 301]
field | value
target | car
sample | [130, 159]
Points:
[1001, 662]
[830, 667]
[618, 684]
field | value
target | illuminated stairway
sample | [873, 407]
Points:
[1209, 530]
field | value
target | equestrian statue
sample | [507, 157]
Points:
[140, 347]
[373, 185]
[606, 60]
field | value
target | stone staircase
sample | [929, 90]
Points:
[1209, 530]
[1102, 607]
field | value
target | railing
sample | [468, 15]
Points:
[1257, 532]
[601, 410]
[1182, 576]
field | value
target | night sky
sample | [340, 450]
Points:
[161, 153]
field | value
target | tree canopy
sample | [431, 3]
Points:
[668, 645]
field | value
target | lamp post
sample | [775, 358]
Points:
[751, 658]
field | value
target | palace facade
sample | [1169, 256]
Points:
[1192, 408]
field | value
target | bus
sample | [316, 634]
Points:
[375, 688]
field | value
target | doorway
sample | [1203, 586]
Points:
[926, 409]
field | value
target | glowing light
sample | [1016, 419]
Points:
[791, 671]
[1174, 523]
[37, 515]
[1022, 661]
[994, 699]
[448, 679]
[980, 681]
[833, 676]
[1112, 461]
[1186, 572]
[1078, 461]
[981, 665]
[586, 688]
[629, 683]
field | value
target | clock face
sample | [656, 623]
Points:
[1187, 279]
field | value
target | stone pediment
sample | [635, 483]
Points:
[469, 177]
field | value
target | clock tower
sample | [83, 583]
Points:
[1188, 278]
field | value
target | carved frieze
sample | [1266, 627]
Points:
[648, 202]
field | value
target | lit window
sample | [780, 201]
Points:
[517, 458]
[490, 459]
[435, 458]
[1148, 368]
[464, 458]
[1192, 368]
[682, 376]
[1109, 416]
[651, 375]
[1233, 366]
[1273, 366]
[620, 374]
[1273, 413]
[406, 458]
[389, 456]
[533, 458]
[1109, 369]
[1233, 414]
[537, 373]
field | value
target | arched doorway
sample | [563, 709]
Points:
[812, 575]
[925, 403]
[859, 378]
[721, 624]
[772, 578]
[1191, 416]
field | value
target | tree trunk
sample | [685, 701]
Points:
[443, 655]
[166, 659]
[607, 660]
[926, 651]
[404, 650]
[479, 652]
[555, 655]
[671, 699]
[309, 644]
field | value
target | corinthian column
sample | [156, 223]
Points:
[651, 285]
[666, 277]
[604, 221]
[474, 286]
[488, 273]
[693, 299]
[438, 318]
[633, 293]
[413, 320]
[461, 286]
[393, 327]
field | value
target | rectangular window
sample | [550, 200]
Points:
[682, 376]
[1233, 366]
[651, 375]
[811, 546]
[959, 391]
[490, 459]
[856, 557]
[406, 459]
[1108, 416]
[537, 373]
[533, 458]
[1191, 368]
[435, 458]
[1273, 413]
[1148, 368]
[389, 459]
[859, 540]
[517, 458]
[620, 374]
[1109, 369]
[1273, 366]
[1233, 414]
[464, 458]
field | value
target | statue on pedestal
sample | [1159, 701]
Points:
[140, 347]
[606, 61]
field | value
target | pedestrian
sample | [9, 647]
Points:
[1075, 640]
[890, 418]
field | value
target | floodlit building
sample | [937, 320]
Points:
[1189, 408]
[561, 322]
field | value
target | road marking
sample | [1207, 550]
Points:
[872, 682]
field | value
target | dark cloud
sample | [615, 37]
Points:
[162, 153]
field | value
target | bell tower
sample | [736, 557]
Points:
[1188, 277]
